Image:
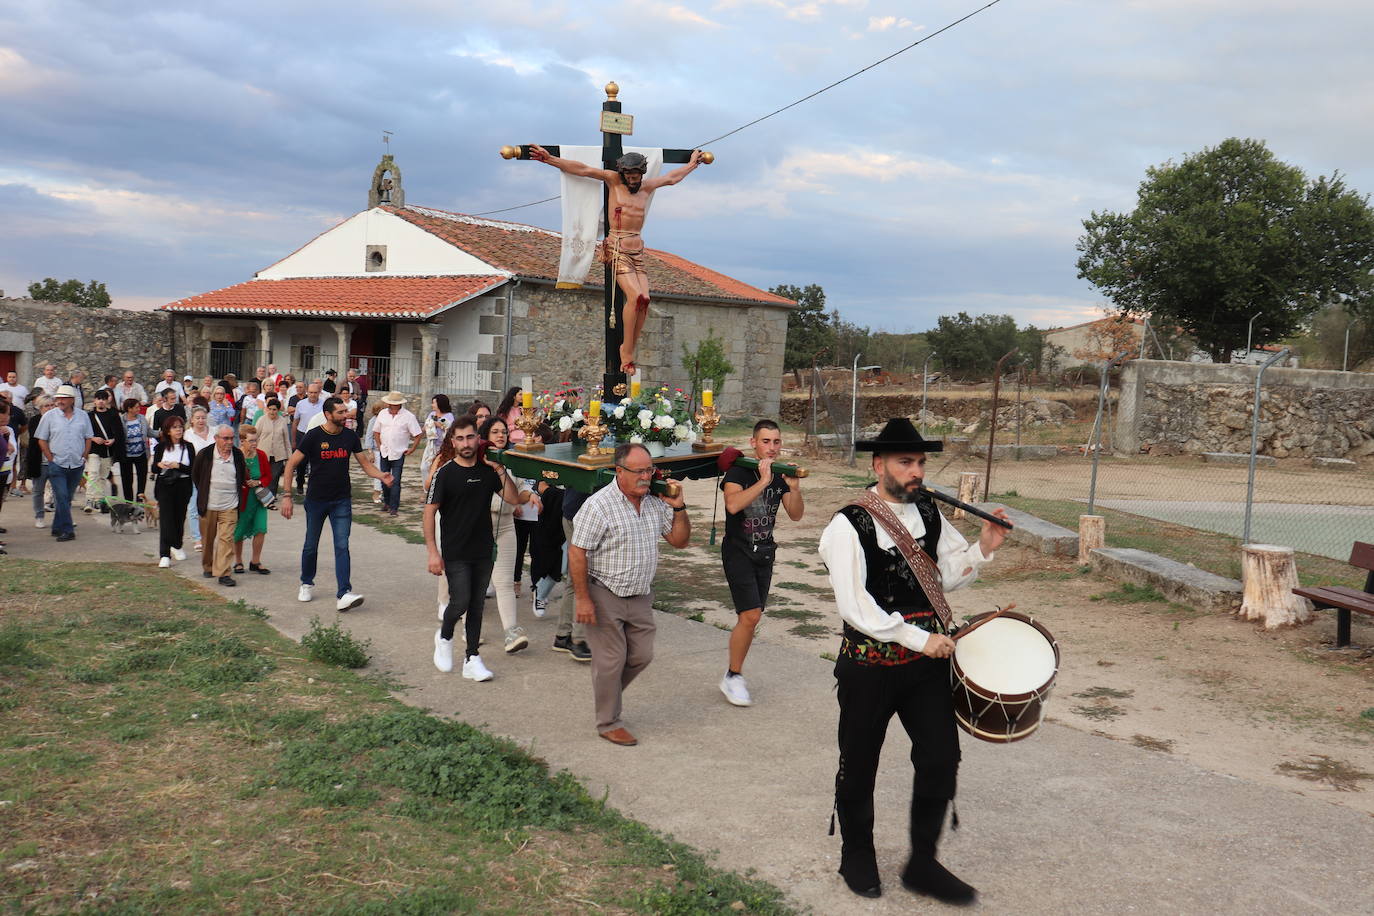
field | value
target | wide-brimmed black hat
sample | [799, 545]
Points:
[899, 435]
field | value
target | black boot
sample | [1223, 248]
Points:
[858, 860]
[923, 874]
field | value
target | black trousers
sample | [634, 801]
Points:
[171, 513]
[524, 531]
[133, 477]
[919, 694]
[467, 596]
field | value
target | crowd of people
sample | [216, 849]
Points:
[222, 455]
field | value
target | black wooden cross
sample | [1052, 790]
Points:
[614, 383]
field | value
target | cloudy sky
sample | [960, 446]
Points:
[170, 149]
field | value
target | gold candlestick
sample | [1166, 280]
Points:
[528, 423]
[709, 420]
[594, 431]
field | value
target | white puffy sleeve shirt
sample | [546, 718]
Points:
[957, 559]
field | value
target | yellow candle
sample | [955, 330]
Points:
[708, 398]
[594, 409]
[634, 389]
[527, 399]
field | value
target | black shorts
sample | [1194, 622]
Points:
[748, 580]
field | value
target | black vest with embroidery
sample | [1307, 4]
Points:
[893, 586]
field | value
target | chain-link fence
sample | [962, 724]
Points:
[1175, 448]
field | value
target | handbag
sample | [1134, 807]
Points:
[265, 496]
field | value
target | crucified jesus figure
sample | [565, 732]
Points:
[623, 247]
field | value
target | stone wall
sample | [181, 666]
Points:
[99, 341]
[1192, 408]
[556, 338]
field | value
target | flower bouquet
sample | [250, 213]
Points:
[658, 418]
[562, 409]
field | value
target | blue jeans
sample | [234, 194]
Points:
[193, 516]
[340, 515]
[40, 484]
[391, 496]
[64, 482]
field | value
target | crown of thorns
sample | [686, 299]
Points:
[632, 162]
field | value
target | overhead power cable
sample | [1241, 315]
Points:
[805, 98]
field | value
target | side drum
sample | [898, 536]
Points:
[1001, 673]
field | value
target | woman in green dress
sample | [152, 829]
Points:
[253, 517]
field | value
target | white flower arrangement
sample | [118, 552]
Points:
[665, 422]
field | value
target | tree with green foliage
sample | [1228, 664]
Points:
[972, 346]
[706, 364]
[809, 329]
[90, 295]
[1228, 235]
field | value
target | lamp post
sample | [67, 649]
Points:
[925, 375]
[1249, 334]
[854, 410]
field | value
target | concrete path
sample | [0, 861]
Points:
[1064, 822]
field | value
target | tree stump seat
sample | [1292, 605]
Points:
[1343, 599]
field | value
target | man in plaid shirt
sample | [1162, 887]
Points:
[612, 560]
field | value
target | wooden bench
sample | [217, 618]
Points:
[1345, 599]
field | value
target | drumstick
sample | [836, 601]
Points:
[961, 633]
[960, 504]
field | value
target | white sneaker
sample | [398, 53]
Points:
[474, 670]
[164, 563]
[443, 655]
[541, 607]
[39, 523]
[491, 591]
[516, 639]
[197, 549]
[348, 602]
[307, 593]
[442, 607]
[736, 690]
[178, 554]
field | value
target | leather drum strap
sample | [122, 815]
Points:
[926, 572]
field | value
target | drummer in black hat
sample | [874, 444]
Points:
[891, 556]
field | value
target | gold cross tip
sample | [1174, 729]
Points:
[612, 90]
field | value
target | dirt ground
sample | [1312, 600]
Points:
[1281, 708]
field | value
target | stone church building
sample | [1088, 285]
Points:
[430, 301]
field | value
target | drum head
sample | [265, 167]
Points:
[1007, 656]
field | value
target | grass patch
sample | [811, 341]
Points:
[333, 645]
[1337, 774]
[1093, 693]
[1101, 712]
[177, 766]
[1130, 593]
[1216, 553]
[1163, 745]
[792, 613]
[810, 630]
[1368, 714]
[806, 588]
[799, 564]
[855, 480]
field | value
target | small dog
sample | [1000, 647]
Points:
[150, 516]
[126, 518]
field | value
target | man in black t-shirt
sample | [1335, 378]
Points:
[326, 451]
[460, 494]
[751, 510]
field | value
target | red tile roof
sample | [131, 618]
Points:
[340, 297]
[530, 252]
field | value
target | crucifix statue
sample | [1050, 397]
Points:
[628, 181]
